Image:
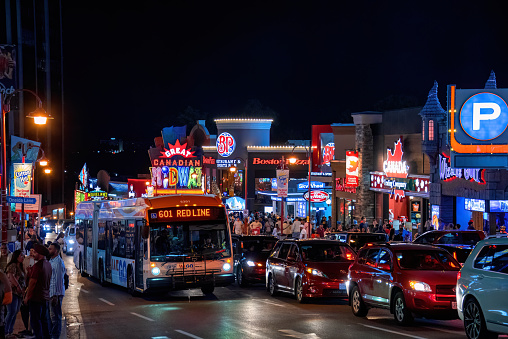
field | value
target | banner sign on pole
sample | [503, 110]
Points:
[351, 169]
[22, 179]
[282, 183]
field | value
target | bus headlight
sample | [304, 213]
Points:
[156, 271]
[226, 266]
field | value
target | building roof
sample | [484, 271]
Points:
[433, 107]
[491, 82]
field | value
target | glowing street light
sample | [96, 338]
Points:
[47, 170]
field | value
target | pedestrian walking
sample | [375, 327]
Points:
[56, 289]
[238, 226]
[16, 276]
[5, 256]
[296, 228]
[37, 294]
[28, 262]
[6, 297]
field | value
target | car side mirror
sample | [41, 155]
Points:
[145, 231]
[384, 267]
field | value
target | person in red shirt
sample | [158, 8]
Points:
[37, 293]
[321, 231]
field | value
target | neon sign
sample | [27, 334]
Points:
[393, 166]
[226, 144]
[177, 149]
[448, 173]
[351, 169]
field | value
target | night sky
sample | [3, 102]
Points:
[129, 70]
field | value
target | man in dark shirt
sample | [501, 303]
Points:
[363, 225]
[37, 294]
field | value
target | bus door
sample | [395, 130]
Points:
[140, 246]
[109, 246]
[95, 236]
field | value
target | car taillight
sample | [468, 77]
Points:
[458, 276]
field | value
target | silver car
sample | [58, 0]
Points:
[482, 289]
[69, 239]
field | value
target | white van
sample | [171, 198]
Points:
[69, 239]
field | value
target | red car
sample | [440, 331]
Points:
[309, 268]
[406, 279]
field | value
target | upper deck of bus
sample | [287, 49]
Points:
[136, 207]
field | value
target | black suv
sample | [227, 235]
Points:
[250, 254]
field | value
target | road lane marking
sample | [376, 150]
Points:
[83, 290]
[142, 316]
[443, 330]
[188, 334]
[107, 302]
[395, 332]
[271, 303]
[296, 334]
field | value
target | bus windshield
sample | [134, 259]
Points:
[178, 241]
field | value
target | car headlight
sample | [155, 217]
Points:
[71, 241]
[156, 271]
[250, 263]
[226, 266]
[316, 272]
[420, 286]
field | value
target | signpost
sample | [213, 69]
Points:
[22, 201]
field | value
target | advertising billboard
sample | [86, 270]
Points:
[474, 205]
[22, 179]
[7, 69]
[478, 127]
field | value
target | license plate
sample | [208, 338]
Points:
[342, 286]
[187, 266]
[454, 305]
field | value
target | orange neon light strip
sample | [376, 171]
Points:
[459, 148]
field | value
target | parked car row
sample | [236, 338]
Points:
[442, 275]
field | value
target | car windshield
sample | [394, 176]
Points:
[258, 245]
[426, 260]
[179, 241]
[326, 252]
[72, 230]
[428, 238]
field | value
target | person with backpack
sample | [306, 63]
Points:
[16, 276]
[56, 289]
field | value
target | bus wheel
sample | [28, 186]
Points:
[207, 289]
[81, 269]
[130, 284]
[101, 274]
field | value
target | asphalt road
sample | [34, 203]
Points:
[92, 311]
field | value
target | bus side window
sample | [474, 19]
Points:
[129, 239]
[101, 243]
[89, 225]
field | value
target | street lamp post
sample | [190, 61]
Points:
[40, 118]
[292, 160]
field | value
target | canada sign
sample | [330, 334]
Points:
[225, 144]
[316, 196]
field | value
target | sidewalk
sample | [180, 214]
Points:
[18, 326]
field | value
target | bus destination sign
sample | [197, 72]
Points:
[186, 213]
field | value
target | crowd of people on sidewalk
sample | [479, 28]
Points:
[259, 223]
[32, 281]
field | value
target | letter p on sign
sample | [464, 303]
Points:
[495, 112]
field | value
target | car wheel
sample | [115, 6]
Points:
[207, 289]
[271, 286]
[401, 313]
[474, 322]
[299, 291]
[240, 279]
[357, 304]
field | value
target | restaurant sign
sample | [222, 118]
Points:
[415, 185]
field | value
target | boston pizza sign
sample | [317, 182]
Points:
[316, 196]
